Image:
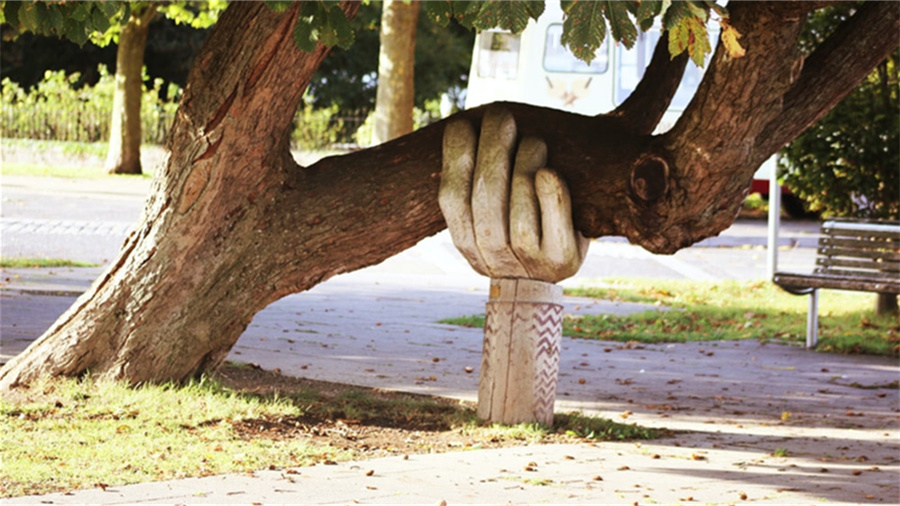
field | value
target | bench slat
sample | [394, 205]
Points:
[889, 229]
[878, 243]
[868, 265]
[838, 282]
[834, 251]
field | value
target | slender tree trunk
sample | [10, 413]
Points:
[124, 156]
[395, 97]
[233, 223]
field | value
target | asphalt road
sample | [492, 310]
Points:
[87, 220]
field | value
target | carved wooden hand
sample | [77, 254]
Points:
[507, 223]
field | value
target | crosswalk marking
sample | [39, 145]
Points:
[63, 227]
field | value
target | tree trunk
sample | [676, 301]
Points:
[395, 97]
[233, 223]
[124, 156]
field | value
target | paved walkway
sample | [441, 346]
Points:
[377, 327]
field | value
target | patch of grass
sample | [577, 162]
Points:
[63, 159]
[592, 427]
[34, 263]
[729, 310]
[66, 434]
[781, 452]
[65, 171]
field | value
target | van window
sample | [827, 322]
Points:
[498, 55]
[558, 58]
[632, 63]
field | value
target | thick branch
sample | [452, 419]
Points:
[834, 69]
[643, 109]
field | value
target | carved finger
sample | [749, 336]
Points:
[562, 245]
[524, 212]
[455, 194]
[490, 194]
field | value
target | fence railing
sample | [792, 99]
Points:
[313, 130]
[76, 123]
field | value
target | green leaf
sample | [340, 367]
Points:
[584, 28]
[305, 35]
[11, 13]
[323, 22]
[620, 24]
[507, 15]
[466, 12]
[647, 11]
[27, 16]
[690, 35]
[55, 20]
[337, 30]
[278, 6]
[82, 11]
[675, 14]
[100, 20]
[699, 45]
[439, 11]
[75, 31]
[535, 8]
[110, 9]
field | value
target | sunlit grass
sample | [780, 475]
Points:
[65, 434]
[34, 263]
[729, 310]
[68, 434]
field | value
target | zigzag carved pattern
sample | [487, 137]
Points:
[547, 333]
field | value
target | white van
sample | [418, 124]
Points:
[533, 67]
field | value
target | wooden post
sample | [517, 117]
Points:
[520, 360]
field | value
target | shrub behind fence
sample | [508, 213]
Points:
[56, 109]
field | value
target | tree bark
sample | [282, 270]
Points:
[233, 223]
[395, 97]
[124, 155]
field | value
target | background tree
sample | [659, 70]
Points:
[395, 97]
[348, 77]
[847, 163]
[234, 223]
[127, 24]
[124, 154]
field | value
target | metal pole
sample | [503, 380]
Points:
[774, 222]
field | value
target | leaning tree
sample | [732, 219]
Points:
[233, 223]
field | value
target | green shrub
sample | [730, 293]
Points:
[56, 109]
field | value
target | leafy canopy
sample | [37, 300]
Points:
[585, 27]
[847, 163]
[99, 22]
[587, 23]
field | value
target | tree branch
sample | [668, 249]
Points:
[832, 71]
[643, 109]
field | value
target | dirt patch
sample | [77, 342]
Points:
[369, 422]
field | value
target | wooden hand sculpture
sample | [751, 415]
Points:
[516, 227]
[507, 229]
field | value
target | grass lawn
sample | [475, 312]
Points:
[66, 434]
[34, 263]
[728, 310]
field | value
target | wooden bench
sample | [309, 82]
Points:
[858, 255]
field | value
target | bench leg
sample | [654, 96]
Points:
[812, 320]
